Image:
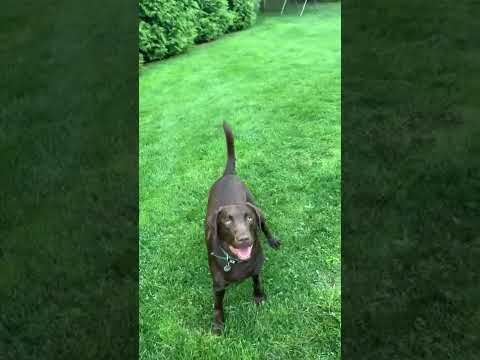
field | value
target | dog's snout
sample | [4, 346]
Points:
[243, 239]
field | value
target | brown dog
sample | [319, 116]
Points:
[231, 224]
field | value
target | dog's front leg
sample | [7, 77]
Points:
[258, 293]
[218, 316]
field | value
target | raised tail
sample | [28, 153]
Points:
[230, 166]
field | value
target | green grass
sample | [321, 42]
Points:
[278, 85]
[410, 197]
[68, 205]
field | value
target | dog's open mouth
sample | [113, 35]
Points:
[242, 253]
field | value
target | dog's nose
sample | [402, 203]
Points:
[243, 239]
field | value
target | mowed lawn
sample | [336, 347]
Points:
[278, 85]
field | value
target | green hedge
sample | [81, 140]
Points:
[244, 12]
[169, 27]
[214, 19]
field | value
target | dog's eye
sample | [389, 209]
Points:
[249, 218]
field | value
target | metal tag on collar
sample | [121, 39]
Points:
[227, 267]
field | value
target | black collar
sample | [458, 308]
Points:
[229, 259]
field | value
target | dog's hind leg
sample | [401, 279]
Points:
[274, 243]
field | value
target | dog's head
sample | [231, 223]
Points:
[234, 227]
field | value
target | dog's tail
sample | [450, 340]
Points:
[230, 166]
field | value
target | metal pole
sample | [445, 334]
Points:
[303, 7]
[283, 7]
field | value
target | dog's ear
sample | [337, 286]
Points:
[212, 231]
[258, 213]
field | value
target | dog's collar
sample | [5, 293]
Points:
[229, 259]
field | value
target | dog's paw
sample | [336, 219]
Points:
[274, 243]
[259, 299]
[217, 328]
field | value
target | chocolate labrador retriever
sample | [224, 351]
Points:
[231, 224]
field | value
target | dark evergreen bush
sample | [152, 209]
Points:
[244, 13]
[167, 27]
[214, 19]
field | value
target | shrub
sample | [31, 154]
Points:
[152, 41]
[214, 19]
[167, 27]
[244, 13]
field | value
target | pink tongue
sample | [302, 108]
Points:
[243, 253]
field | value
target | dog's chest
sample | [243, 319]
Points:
[241, 271]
